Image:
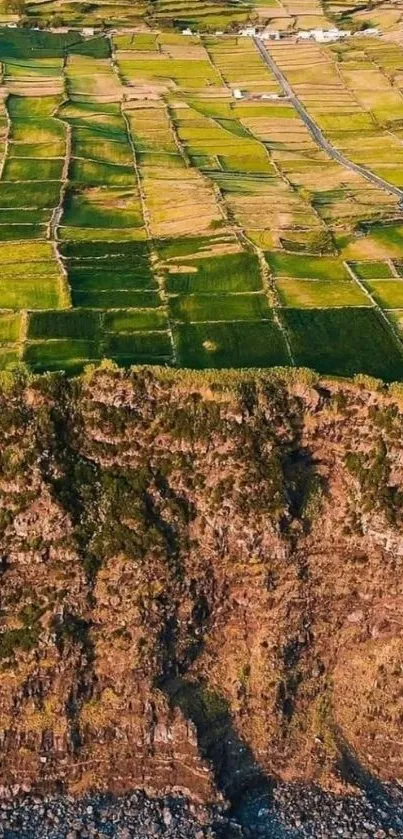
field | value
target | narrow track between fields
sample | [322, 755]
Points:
[317, 134]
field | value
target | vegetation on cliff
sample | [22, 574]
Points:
[201, 579]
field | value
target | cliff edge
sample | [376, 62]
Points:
[201, 581]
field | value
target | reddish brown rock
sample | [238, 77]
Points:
[201, 582]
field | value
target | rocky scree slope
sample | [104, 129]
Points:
[201, 582]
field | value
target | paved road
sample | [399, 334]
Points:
[317, 135]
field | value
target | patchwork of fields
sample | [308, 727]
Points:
[200, 14]
[209, 15]
[148, 216]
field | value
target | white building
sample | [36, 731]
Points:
[237, 93]
[270, 35]
[323, 36]
[372, 31]
[187, 32]
[88, 31]
[248, 32]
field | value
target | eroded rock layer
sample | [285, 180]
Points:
[201, 581]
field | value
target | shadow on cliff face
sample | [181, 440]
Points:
[377, 793]
[236, 771]
[249, 791]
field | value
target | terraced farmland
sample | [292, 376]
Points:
[149, 216]
[209, 15]
[202, 14]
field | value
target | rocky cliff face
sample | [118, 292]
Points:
[201, 581]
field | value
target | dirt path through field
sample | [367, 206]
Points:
[317, 134]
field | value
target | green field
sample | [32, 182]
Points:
[148, 215]
[219, 307]
[306, 267]
[343, 342]
[320, 293]
[230, 345]
[372, 270]
[229, 273]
